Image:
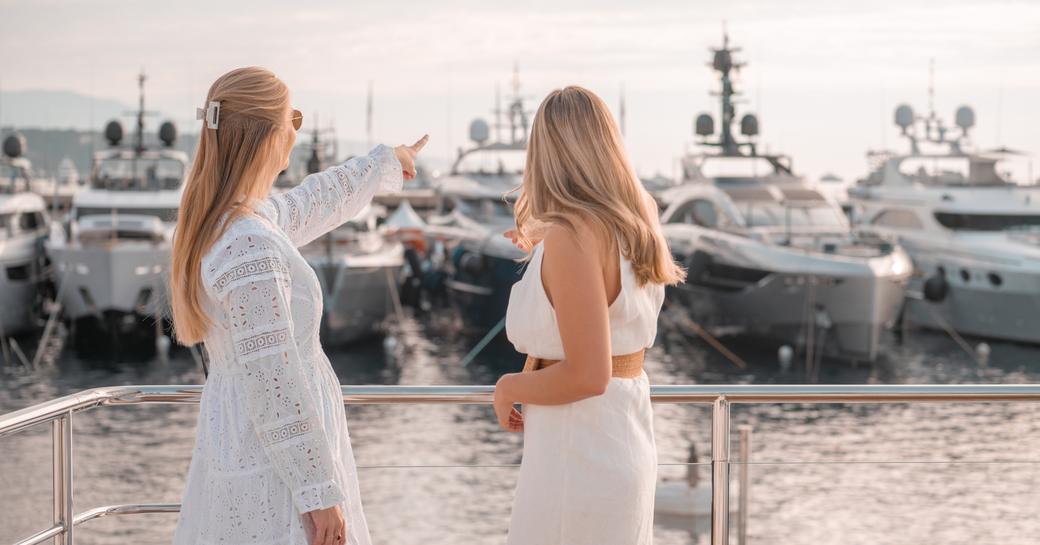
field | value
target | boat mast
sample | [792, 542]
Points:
[139, 137]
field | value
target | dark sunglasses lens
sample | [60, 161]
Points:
[297, 119]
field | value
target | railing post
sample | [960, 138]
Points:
[61, 477]
[720, 471]
[744, 432]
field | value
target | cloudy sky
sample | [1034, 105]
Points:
[824, 75]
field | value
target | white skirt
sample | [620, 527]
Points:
[589, 470]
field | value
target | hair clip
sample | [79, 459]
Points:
[211, 114]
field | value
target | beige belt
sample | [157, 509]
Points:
[626, 366]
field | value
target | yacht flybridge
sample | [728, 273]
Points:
[770, 256]
[973, 233]
[111, 264]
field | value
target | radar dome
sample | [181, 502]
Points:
[14, 146]
[479, 131]
[965, 118]
[113, 133]
[704, 125]
[749, 125]
[168, 133]
[904, 116]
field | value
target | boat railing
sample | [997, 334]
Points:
[59, 414]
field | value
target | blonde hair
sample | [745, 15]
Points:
[234, 164]
[577, 167]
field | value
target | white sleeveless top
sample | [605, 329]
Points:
[531, 320]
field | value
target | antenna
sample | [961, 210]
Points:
[368, 116]
[516, 78]
[621, 110]
[498, 113]
[140, 112]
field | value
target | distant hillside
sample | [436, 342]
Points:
[57, 109]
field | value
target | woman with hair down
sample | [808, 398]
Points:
[272, 463]
[584, 312]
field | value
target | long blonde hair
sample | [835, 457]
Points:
[577, 167]
[234, 164]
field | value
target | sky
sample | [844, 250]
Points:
[824, 76]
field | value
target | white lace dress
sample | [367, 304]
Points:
[272, 439]
[590, 467]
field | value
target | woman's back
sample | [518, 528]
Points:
[531, 320]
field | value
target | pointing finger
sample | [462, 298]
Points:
[422, 142]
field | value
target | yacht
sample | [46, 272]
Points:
[420, 194]
[769, 256]
[475, 208]
[111, 263]
[23, 227]
[59, 190]
[358, 269]
[972, 232]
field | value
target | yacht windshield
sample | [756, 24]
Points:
[735, 168]
[140, 173]
[486, 210]
[9, 172]
[952, 170]
[493, 162]
[773, 214]
[164, 214]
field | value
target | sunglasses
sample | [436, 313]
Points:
[297, 119]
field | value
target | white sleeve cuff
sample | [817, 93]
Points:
[318, 496]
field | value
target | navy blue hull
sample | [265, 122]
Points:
[480, 287]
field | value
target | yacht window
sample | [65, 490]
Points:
[5, 222]
[986, 222]
[510, 161]
[140, 173]
[904, 219]
[763, 214]
[697, 212]
[30, 221]
[952, 170]
[736, 168]
[165, 214]
[9, 172]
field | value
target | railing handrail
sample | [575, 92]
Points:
[59, 413]
[384, 395]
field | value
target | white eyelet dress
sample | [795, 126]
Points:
[272, 439]
[589, 468]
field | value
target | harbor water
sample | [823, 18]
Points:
[820, 474]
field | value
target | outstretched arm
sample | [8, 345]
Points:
[327, 199]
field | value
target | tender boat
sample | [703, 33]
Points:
[768, 255]
[111, 264]
[973, 234]
[23, 227]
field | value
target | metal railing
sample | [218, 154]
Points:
[59, 414]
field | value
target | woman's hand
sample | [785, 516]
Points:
[406, 155]
[505, 409]
[514, 235]
[329, 526]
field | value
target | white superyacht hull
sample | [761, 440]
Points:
[20, 261]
